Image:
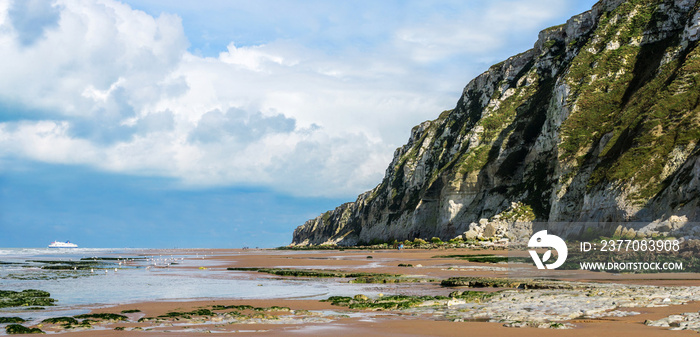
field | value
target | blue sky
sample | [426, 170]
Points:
[150, 123]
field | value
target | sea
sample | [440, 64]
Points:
[190, 276]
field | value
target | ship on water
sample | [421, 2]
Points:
[61, 244]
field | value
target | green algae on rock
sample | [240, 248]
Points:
[4, 320]
[16, 329]
[29, 297]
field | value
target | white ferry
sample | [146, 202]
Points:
[60, 244]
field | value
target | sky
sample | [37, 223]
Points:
[224, 123]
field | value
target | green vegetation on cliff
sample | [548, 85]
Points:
[633, 101]
[598, 122]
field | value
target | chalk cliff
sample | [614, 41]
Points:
[598, 123]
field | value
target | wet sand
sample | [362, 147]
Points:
[393, 325]
[389, 323]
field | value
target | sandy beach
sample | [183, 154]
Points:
[392, 325]
[311, 317]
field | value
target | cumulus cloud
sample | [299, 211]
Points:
[217, 126]
[31, 17]
[104, 85]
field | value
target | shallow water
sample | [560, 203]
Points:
[79, 289]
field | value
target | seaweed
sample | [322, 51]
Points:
[60, 320]
[111, 258]
[29, 297]
[16, 329]
[472, 296]
[130, 311]
[103, 316]
[362, 302]
[483, 258]
[495, 282]
[188, 314]
[11, 320]
[391, 279]
[392, 302]
[238, 307]
[313, 272]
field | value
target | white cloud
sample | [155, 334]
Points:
[252, 58]
[123, 94]
[475, 30]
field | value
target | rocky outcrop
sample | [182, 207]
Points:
[598, 123]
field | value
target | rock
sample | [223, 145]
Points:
[489, 230]
[360, 297]
[618, 231]
[677, 222]
[474, 226]
[628, 233]
[456, 293]
[470, 235]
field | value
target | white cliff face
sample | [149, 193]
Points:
[591, 125]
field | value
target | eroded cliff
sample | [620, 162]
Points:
[598, 123]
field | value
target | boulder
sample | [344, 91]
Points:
[470, 235]
[618, 232]
[489, 230]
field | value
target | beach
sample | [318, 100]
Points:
[252, 292]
